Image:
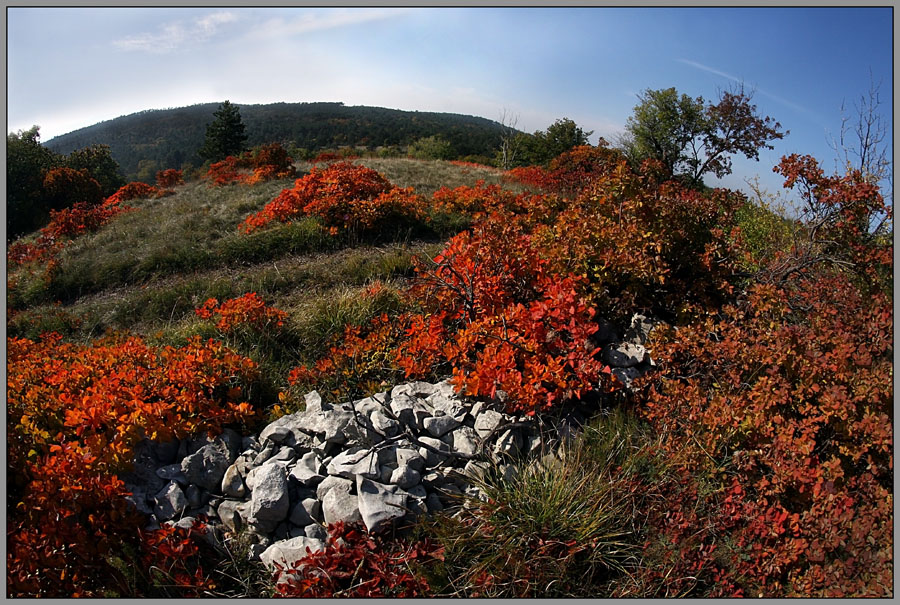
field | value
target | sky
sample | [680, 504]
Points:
[68, 68]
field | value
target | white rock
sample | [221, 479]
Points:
[270, 501]
[288, 552]
[379, 504]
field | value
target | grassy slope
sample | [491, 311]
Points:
[148, 270]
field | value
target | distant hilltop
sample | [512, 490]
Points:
[168, 138]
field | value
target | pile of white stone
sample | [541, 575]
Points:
[380, 461]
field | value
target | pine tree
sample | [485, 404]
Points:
[225, 136]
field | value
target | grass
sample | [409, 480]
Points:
[560, 527]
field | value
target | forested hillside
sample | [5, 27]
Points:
[156, 139]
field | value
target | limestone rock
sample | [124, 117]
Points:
[206, 467]
[270, 502]
[487, 421]
[339, 505]
[353, 462]
[405, 477]
[287, 552]
[331, 483]
[170, 502]
[439, 426]
[308, 470]
[233, 483]
[379, 504]
[624, 354]
[306, 512]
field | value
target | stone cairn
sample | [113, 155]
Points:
[381, 460]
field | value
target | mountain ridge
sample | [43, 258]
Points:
[156, 139]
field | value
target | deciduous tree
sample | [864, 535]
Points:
[691, 139]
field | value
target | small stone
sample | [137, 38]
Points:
[330, 483]
[276, 434]
[487, 422]
[413, 389]
[465, 440]
[305, 512]
[379, 504]
[172, 472]
[624, 354]
[316, 532]
[170, 502]
[433, 458]
[440, 425]
[308, 470]
[384, 425]
[287, 552]
[353, 462]
[194, 496]
[338, 505]
[409, 457]
[285, 454]
[233, 483]
[206, 467]
[405, 477]
[270, 502]
[509, 444]
[313, 401]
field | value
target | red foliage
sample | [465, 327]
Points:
[66, 223]
[343, 196]
[230, 170]
[359, 565]
[247, 311]
[74, 413]
[790, 393]
[65, 186]
[570, 172]
[169, 178]
[133, 191]
[175, 554]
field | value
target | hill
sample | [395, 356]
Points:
[168, 138]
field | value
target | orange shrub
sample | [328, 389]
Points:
[343, 196]
[74, 413]
[247, 311]
[169, 178]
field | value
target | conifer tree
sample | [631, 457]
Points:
[225, 136]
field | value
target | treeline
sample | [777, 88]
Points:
[145, 142]
[40, 180]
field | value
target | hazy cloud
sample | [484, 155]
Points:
[173, 35]
[319, 20]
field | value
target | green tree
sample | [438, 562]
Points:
[543, 146]
[225, 136]
[99, 163]
[430, 148]
[691, 139]
[27, 163]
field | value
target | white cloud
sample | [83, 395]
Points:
[318, 21]
[174, 35]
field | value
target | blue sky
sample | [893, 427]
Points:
[72, 67]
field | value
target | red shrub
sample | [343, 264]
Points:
[169, 178]
[65, 186]
[247, 311]
[343, 196]
[74, 413]
[359, 565]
